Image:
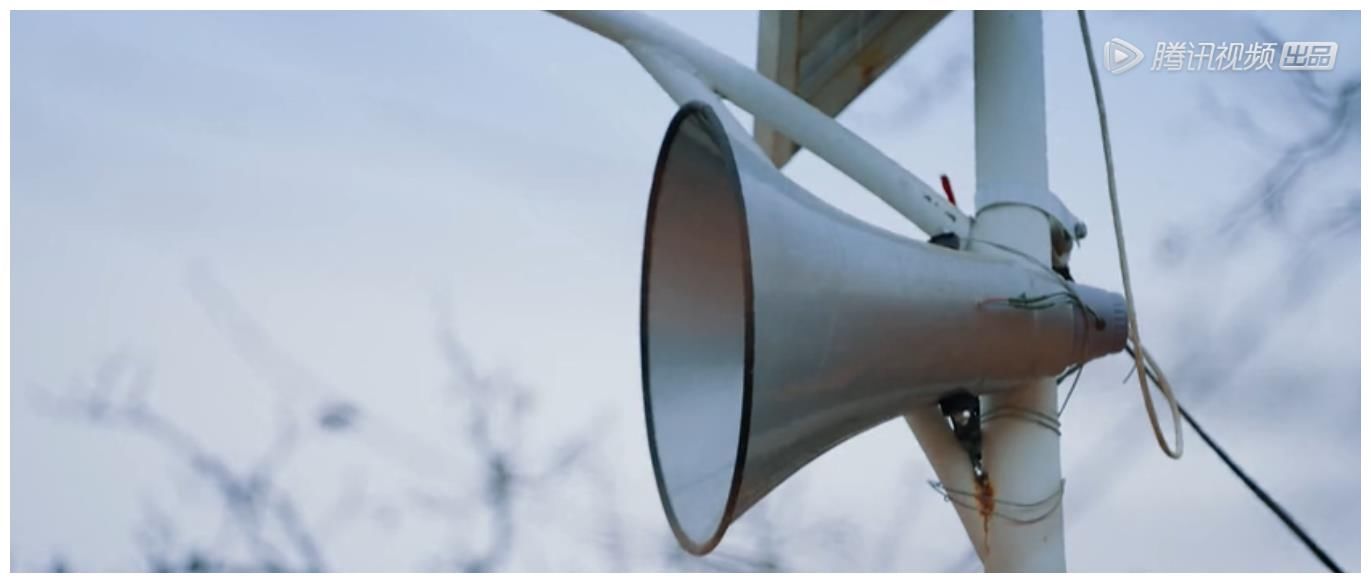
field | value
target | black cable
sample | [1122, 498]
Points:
[1252, 485]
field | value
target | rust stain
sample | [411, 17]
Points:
[869, 65]
[869, 62]
[867, 73]
[985, 502]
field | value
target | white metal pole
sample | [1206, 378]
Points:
[1022, 458]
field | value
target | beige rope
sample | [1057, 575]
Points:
[1140, 354]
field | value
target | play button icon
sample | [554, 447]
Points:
[1120, 56]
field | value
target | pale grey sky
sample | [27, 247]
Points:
[339, 171]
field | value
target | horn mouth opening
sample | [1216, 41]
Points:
[696, 328]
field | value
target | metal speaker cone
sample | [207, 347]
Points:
[774, 326]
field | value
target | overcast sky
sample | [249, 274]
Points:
[346, 175]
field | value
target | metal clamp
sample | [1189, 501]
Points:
[1066, 228]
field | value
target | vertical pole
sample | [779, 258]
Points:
[1022, 458]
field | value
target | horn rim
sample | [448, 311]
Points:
[715, 130]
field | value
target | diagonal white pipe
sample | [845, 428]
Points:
[786, 112]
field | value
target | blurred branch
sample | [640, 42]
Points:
[253, 503]
[497, 410]
[1306, 261]
[1335, 118]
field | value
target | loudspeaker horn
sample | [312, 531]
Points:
[774, 326]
